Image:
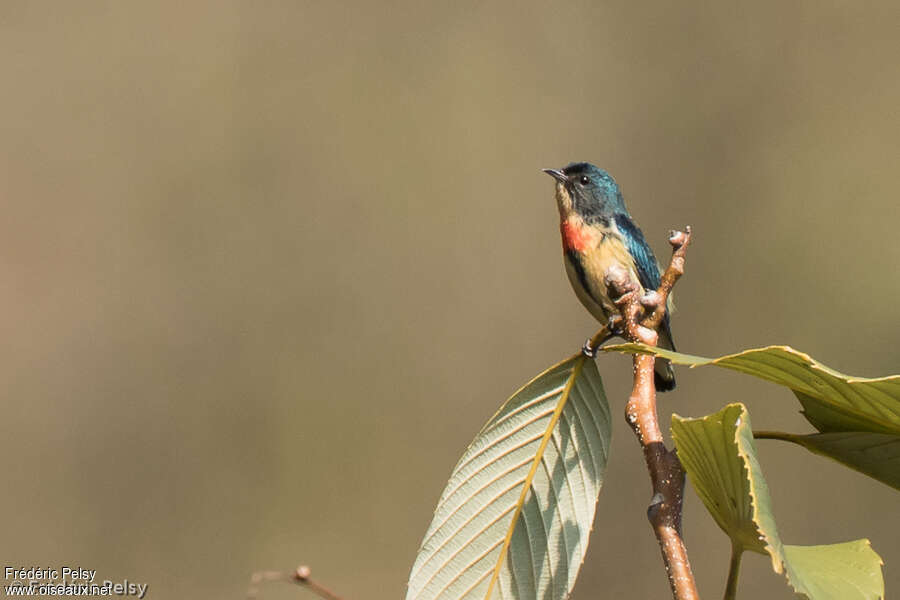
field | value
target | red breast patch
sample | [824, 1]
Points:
[573, 236]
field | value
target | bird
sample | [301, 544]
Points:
[598, 233]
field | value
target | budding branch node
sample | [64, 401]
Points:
[300, 576]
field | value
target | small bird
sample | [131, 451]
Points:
[598, 233]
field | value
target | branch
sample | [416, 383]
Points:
[641, 316]
[300, 577]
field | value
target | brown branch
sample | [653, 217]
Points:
[300, 577]
[641, 318]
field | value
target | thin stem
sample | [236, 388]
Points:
[734, 570]
[599, 337]
[774, 435]
[320, 590]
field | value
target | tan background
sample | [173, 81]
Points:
[268, 267]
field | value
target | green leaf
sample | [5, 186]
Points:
[831, 400]
[865, 412]
[718, 453]
[837, 416]
[514, 519]
[874, 454]
[836, 571]
[727, 478]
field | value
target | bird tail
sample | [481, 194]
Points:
[663, 375]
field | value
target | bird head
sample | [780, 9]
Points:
[587, 191]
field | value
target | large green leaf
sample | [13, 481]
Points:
[718, 453]
[865, 412]
[831, 401]
[514, 519]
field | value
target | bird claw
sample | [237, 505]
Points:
[588, 350]
[614, 324]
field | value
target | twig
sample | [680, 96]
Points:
[300, 576]
[666, 472]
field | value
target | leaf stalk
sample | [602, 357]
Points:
[734, 571]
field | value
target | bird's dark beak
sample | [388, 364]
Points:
[556, 174]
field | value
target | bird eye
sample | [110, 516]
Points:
[584, 180]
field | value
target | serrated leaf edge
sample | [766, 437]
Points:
[777, 561]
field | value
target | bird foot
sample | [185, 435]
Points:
[615, 324]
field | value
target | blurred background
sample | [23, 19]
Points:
[268, 267]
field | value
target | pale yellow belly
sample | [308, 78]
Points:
[596, 263]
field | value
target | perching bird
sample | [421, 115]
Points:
[597, 233]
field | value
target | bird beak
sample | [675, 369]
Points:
[557, 175]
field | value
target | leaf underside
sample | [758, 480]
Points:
[719, 455]
[514, 519]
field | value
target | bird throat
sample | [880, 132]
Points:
[577, 235]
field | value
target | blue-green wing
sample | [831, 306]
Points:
[647, 267]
